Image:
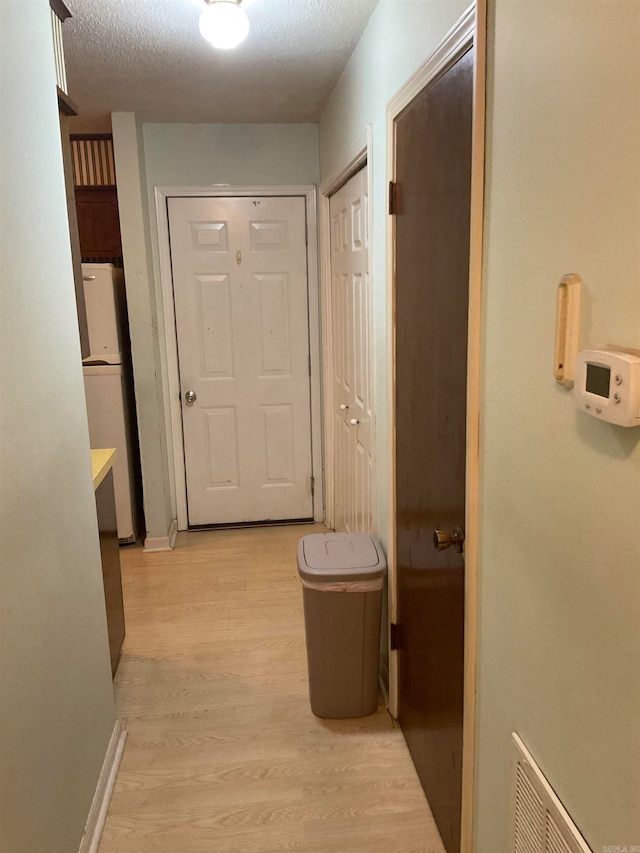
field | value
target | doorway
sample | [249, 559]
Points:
[436, 137]
[239, 293]
[351, 389]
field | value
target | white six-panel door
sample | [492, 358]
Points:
[239, 269]
[351, 357]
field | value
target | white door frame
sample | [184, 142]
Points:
[359, 155]
[469, 30]
[169, 353]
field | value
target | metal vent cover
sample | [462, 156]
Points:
[529, 817]
[539, 821]
[555, 842]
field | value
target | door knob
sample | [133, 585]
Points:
[190, 397]
[353, 422]
[443, 540]
[343, 407]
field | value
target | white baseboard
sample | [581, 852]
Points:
[153, 544]
[104, 790]
[173, 533]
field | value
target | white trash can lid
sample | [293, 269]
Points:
[336, 557]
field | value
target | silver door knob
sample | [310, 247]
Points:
[190, 397]
[343, 407]
[443, 540]
[353, 422]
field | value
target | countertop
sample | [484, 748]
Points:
[101, 463]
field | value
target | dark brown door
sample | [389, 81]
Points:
[433, 174]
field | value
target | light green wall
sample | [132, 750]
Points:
[398, 39]
[56, 695]
[560, 559]
[143, 321]
[560, 551]
[244, 154]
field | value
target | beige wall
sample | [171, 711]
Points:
[183, 155]
[560, 551]
[56, 695]
[84, 123]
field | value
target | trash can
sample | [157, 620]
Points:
[342, 578]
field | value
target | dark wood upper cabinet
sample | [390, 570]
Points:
[98, 222]
[96, 197]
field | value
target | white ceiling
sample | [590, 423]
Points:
[147, 56]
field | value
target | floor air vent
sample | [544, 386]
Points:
[540, 823]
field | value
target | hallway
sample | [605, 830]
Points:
[223, 752]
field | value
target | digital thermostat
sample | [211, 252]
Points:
[607, 386]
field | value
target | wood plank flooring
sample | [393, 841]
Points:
[224, 754]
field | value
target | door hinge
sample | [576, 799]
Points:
[394, 636]
[312, 481]
[393, 198]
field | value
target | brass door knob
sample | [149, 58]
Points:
[443, 540]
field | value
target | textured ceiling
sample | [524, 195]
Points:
[147, 56]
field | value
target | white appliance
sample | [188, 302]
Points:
[106, 385]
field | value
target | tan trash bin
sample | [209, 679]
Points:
[342, 578]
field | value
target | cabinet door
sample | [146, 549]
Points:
[98, 222]
[111, 577]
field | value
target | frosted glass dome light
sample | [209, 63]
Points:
[224, 23]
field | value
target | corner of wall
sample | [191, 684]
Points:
[143, 310]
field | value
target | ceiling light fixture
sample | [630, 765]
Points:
[224, 23]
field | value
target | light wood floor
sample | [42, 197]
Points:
[223, 752]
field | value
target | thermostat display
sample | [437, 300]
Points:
[598, 380]
[608, 386]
